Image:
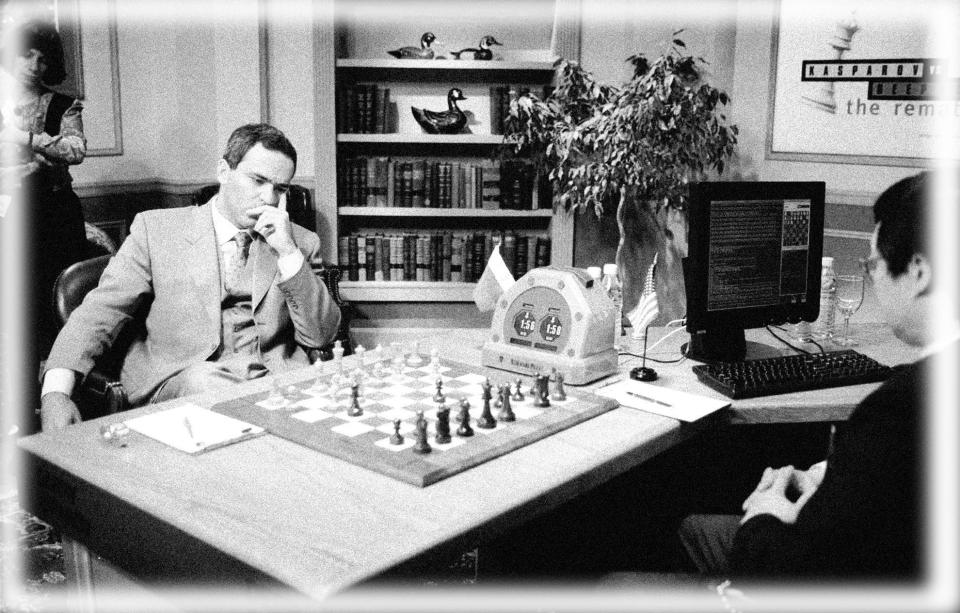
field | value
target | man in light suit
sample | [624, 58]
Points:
[226, 288]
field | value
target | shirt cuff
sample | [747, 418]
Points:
[58, 380]
[289, 265]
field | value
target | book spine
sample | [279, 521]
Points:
[352, 263]
[456, 258]
[522, 256]
[416, 188]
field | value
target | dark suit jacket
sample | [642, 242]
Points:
[864, 520]
[169, 267]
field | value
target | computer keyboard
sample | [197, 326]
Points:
[791, 373]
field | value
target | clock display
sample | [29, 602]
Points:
[551, 328]
[524, 323]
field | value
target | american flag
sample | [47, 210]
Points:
[647, 308]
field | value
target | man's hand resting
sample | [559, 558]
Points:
[57, 410]
[770, 497]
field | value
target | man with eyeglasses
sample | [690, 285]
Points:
[224, 291]
[857, 514]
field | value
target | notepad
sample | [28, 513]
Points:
[662, 400]
[193, 429]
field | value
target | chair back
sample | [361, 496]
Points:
[299, 204]
[73, 284]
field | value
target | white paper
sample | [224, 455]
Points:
[662, 400]
[192, 428]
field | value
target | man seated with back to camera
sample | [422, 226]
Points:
[857, 514]
[227, 288]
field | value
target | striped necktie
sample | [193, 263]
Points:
[239, 258]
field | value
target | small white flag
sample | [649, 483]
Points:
[495, 280]
[647, 308]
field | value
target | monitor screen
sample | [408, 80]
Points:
[753, 260]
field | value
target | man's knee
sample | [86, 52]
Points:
[195, 379]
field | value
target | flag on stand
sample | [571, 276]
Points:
[495, 280]
[647, 308]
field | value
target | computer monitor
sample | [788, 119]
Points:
[753, 259]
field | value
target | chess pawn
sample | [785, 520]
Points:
[443, 425]
[439, 397]
[276, 398]
[435, 361]
[378, 370]
[415, 360]
[422, 445]
[506, 411]
[518, 395]
[541, 393]
[397, 361]
[396, 438]
[463, 417]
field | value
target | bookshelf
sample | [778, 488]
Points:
[346, 137]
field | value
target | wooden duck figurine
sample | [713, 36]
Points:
[423, 52]
[450, 121]
[483, 53]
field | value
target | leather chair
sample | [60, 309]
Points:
[300, 209]
[101, 392]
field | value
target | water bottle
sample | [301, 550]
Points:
[611, 282]
[823, 327]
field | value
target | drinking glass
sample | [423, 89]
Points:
[849, 299]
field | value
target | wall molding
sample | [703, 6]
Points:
[850, 234]
[851, 197]
[94, 189]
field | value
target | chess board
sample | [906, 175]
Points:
[313, 412]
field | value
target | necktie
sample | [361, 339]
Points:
[239, 258]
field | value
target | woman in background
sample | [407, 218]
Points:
[41, 136]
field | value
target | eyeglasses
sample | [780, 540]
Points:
[868, 265]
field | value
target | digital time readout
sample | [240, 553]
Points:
[524, 323]
[551, 328]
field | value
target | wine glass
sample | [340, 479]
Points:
[849, 299]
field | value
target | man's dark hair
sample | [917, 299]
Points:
[246, 137]
[43, 37]
[902, 212]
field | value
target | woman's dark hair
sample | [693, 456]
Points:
[902, 213]
[245, 137]
[43, 37]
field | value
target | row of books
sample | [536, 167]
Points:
[481, 184]
[500, 99]
[365, 108]
[437, 256]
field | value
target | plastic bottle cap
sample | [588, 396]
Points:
[594, 271]
[826, 261]
[609, 269]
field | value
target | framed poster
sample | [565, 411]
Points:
[856, 81]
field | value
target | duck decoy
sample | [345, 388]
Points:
[481, 53]
[423, 52]
[450, 121]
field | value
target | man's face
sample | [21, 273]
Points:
[262, 177]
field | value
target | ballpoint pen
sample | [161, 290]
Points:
[649, 399]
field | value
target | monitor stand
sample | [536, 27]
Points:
[726, 345]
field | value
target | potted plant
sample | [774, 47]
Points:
[631, 149]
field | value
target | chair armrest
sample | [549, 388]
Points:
[100, 394]
[330, 275]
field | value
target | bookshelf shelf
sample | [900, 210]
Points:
[393, 211]
[424, 65]
[429, 139]
[407, 291]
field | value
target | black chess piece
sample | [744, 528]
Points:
[486, 420]
[439, 397]
[443, 425]
[355, 409]
[422, 445]
[463, 417]
[541, 393]
[518, 395]
[486, 386]
[396, 438]
[506, 411]
[559, 393]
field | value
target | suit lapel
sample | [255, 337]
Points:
[203, 260]
[264, 270]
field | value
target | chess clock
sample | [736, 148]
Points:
[553, 317]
